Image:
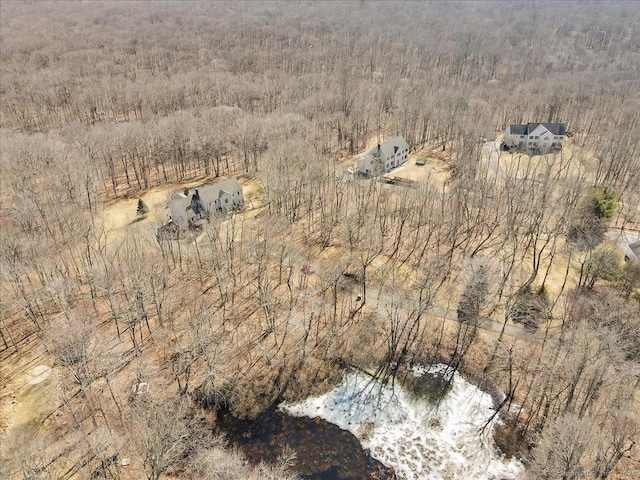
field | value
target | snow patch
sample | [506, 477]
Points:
[416, 438]
[439, 369]
[39, 374]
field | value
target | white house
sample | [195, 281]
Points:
[535, 136]
[203, 201]
[384, 157]
[628, 243]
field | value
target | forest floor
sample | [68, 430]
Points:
[32, 397]
[120, 218]
[28, 395]
[28, 391]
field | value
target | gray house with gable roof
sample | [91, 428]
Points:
[385, 157]
[201, 202]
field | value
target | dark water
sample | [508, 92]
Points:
[324, 451]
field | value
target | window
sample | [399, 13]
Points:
[226, 200]
[530, 137]
[537, 137]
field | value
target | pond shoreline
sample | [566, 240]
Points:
[323, 450]
[364, 428]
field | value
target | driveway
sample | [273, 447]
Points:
[486, 323]
[491, 151]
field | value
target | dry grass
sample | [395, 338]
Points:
[435, 170]
[119, 216]
[27, 395]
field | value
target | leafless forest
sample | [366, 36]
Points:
[505, 273]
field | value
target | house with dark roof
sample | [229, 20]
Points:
[200, 203]
[385, 157]
[535, 136]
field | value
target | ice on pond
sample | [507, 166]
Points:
[416, 438]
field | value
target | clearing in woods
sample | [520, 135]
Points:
[120, 217]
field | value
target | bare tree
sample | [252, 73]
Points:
[161, 433]
[566, 447]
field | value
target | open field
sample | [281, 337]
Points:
[435, 170]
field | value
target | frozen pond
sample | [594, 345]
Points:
[416, 438]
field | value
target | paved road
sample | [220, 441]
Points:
[450, 314]
[487, 323]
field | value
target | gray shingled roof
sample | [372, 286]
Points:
[212, 191]
[635, 248]
[208, 193]
[518, 129]
[390, 147]
[554, 128]
[630, 246]
[179, 201]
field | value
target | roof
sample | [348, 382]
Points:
[390, 147]
[635, 248]
[554, 128]
[208, 193]
[628, 243]
[179, 201]
[212, 191]
[518, 129]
